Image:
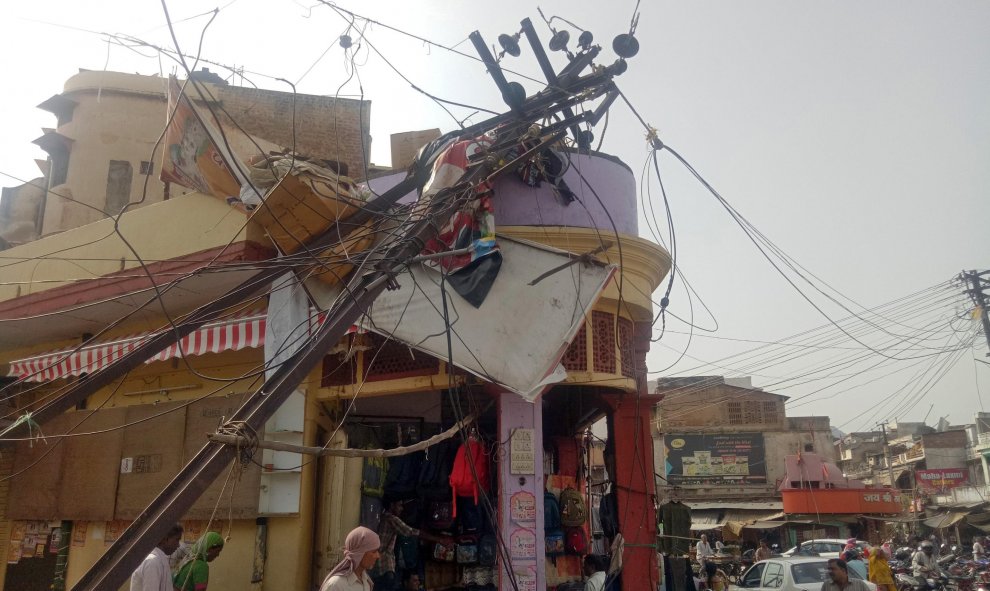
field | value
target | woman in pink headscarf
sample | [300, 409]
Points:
[360, 554]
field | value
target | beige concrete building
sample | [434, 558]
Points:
[104, 152]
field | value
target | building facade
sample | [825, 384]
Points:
[78, 296]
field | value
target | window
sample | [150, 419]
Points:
[771, 411]
[735, 413]
[119, 177]
[147, 167]
[59, 157]
[809, 573]
[773, 577]
[753, 575]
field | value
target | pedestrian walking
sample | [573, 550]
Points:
[361, 552]
[155, 573]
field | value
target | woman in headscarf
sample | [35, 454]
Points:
[879, 571]
[360, 555]
[193, 573]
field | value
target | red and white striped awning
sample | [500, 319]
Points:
[229, 334]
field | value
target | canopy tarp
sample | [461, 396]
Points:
[705, 520]
[945, 520]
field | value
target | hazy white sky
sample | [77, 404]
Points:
[854, 135]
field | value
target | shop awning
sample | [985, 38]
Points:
[705, 520]
[945, 520]
[738, 519]
[231, 334]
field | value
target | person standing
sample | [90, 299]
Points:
[594, 570]
[838, 578]
[978, 551]
[763, 552]
[361, 552]
[703, 551]
[715, 579]
[194, 571]
[390, 528]
[880, 573]
[154, 573]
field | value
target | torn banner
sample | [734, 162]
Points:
[192, 157]
[472, 227]
[516, 339]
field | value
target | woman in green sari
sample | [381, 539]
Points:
[193, 573]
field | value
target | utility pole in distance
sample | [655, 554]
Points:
[977, 283]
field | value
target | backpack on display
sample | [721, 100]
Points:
[440, 515]
[608, 515]
[551, 511]
[467, 550]
[554, 542]
[445, 550]
[575, 540]
[573, 511]
[462, 477]
[371, 512]
[407, 551]
[487, 550]
[403, 474]
[373, 477]
[470, 518]
[434, 475]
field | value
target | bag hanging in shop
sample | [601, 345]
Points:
[445, 550]
[575, 540]
[407, 551]
[551, 511]
[554, 539]
[371, 512]
[467, 549]
[487, 550]
[573, 511]
[373, 476]
[403, 474]
[434, 476]
[608, 515]
[471, 461]
[440, 515]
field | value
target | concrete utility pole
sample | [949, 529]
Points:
[977, 283]
[886, 454]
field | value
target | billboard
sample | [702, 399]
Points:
[941, 478]
[725, 458]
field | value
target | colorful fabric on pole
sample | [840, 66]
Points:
[472, 227]
[192, 158]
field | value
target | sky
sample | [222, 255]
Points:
[855, 136]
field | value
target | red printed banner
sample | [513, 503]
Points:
[942, 478]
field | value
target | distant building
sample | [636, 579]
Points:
[721, 448]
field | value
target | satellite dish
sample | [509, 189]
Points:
[625, 45]
[559, 41]
[345, 41]
[585, 39]
[510, 44]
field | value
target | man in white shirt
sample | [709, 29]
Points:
[703, 551]
[594, 569]
[154, 573]
[923, 563]
[978, 550]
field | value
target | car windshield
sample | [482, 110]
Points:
[817, 572]
[809, 572]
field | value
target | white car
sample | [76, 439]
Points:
[805, 573]
[827, 548]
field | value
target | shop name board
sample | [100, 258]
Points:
[941, 478]
[730, 458]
